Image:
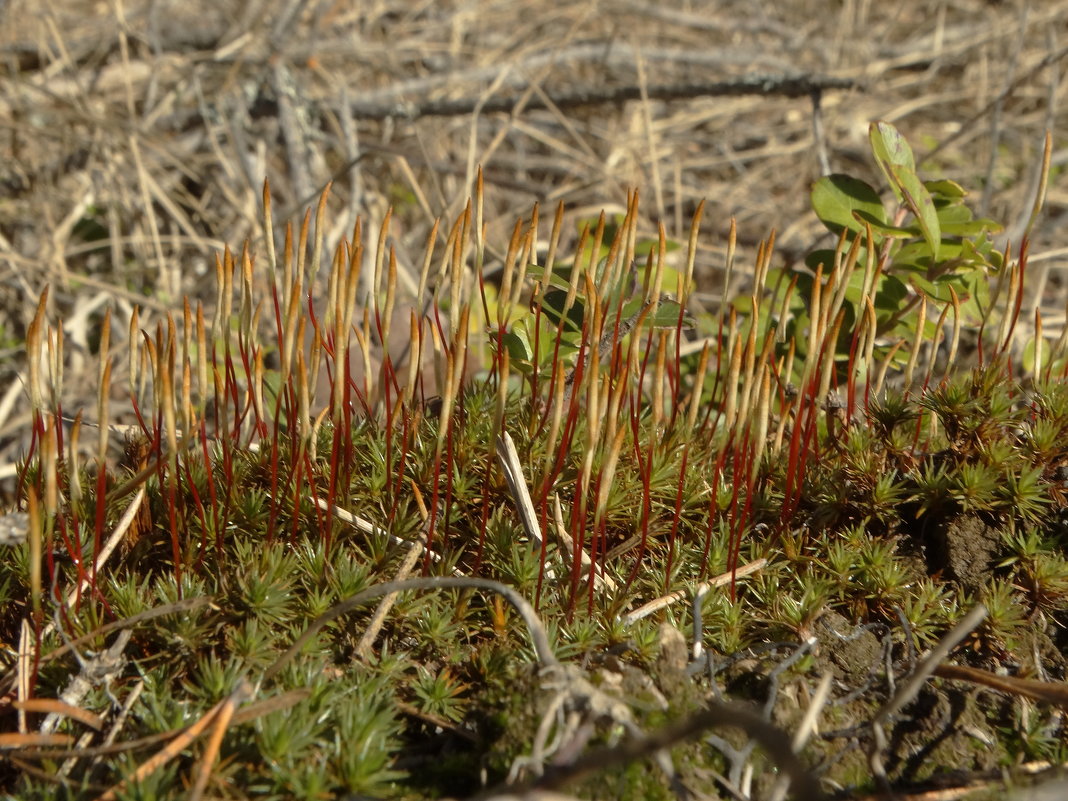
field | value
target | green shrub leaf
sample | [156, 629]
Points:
[920, 203]
[839, 200]
[896, 161]
[890, 148]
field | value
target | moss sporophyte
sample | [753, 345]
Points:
[631, 545]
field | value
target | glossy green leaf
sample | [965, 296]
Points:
[946, 189]
[839, 199]
[890, 148]
[913, 257]
[552, 303]
[895, 159]
[957, 213]
[667, 316]
[972, 227]
[890, 293]
[975, 300]
[981, 251]
[895, 231]
[813, 260]
[518, 345]
[920, 203]
[559, 278]
[923, 284]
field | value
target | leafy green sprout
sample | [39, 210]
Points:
[927, 246]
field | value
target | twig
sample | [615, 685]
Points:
[179, 743]
[766, 85]
[969, 124]
[531, 795]
[1050, 692]
[818, 135]
[667, 600]
[367, 527]
[415, 551]
[775, 742]
[62, 709]
[186, 605]
[609, 337]
[105, 552]
[211, 750]
[22, 666]
[513, 474]
[910, 688]
[244, 714]
[804, 731]
[780, 85]
[120, 719]
[292, 125]
[600, 579]
[94, 672]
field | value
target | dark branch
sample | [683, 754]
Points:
[771, 85]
